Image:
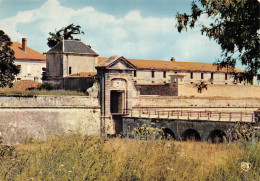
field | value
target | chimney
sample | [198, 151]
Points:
[173, 59]
[24, 44]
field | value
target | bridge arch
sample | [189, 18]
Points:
[217, 136]
[191, 135]
[168, 133]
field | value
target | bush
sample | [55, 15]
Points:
[50, 86]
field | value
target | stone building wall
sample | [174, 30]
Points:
[145, 77]
[30, 70]
[80, 63]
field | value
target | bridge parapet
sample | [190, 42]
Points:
[257, 117]
[186, 114]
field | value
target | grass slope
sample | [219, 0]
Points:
[73, 157]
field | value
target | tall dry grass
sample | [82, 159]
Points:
[73, 157]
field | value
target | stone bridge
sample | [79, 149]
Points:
[184, 123]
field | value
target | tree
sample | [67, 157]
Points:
[7, 68]
[235, 28]
[65, 32]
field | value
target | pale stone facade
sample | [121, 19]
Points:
[162, 77]
[70, 57]
[30, 70]
[116, 91]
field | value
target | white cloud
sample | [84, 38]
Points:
[132, 35]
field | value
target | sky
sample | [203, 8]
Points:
[140, 29]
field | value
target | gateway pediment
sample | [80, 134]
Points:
[117, 62]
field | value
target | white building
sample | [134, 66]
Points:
[29, 61]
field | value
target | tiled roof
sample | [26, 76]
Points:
[173, 65]
[72, 46]
[101, 59]
[29, 54]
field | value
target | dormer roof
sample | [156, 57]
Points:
[72, 47]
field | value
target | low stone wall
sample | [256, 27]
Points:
[172, 102]
[44, 116]
[49, 101]
[230, 91]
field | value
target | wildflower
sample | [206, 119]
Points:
[62, 165]
[170, 168]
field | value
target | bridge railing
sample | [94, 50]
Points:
[190, 115]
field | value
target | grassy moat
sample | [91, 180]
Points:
[74, 157]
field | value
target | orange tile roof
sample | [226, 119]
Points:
[101, 59]
[29, 54]
[173, 65]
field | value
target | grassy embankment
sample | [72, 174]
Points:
[27, 88]
[91, 158]
[31, 93]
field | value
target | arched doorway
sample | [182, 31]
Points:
[191, 135]
[217, 136]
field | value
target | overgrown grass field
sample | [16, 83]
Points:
[74, 157]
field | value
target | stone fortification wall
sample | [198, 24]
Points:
[172, 102]
[231, 91]
[44, 116]
[43, 101]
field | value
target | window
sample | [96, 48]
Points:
[69, 70]
[164, 74]
[212, 76]
[152, 74]
[225, 76]
[202, 76]
[134, 73]
[191, 75]
[19, 67]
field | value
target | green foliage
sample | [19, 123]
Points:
[7, 68]
[65, 32]
[235, 29]
[201, 86]
[50, 86]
